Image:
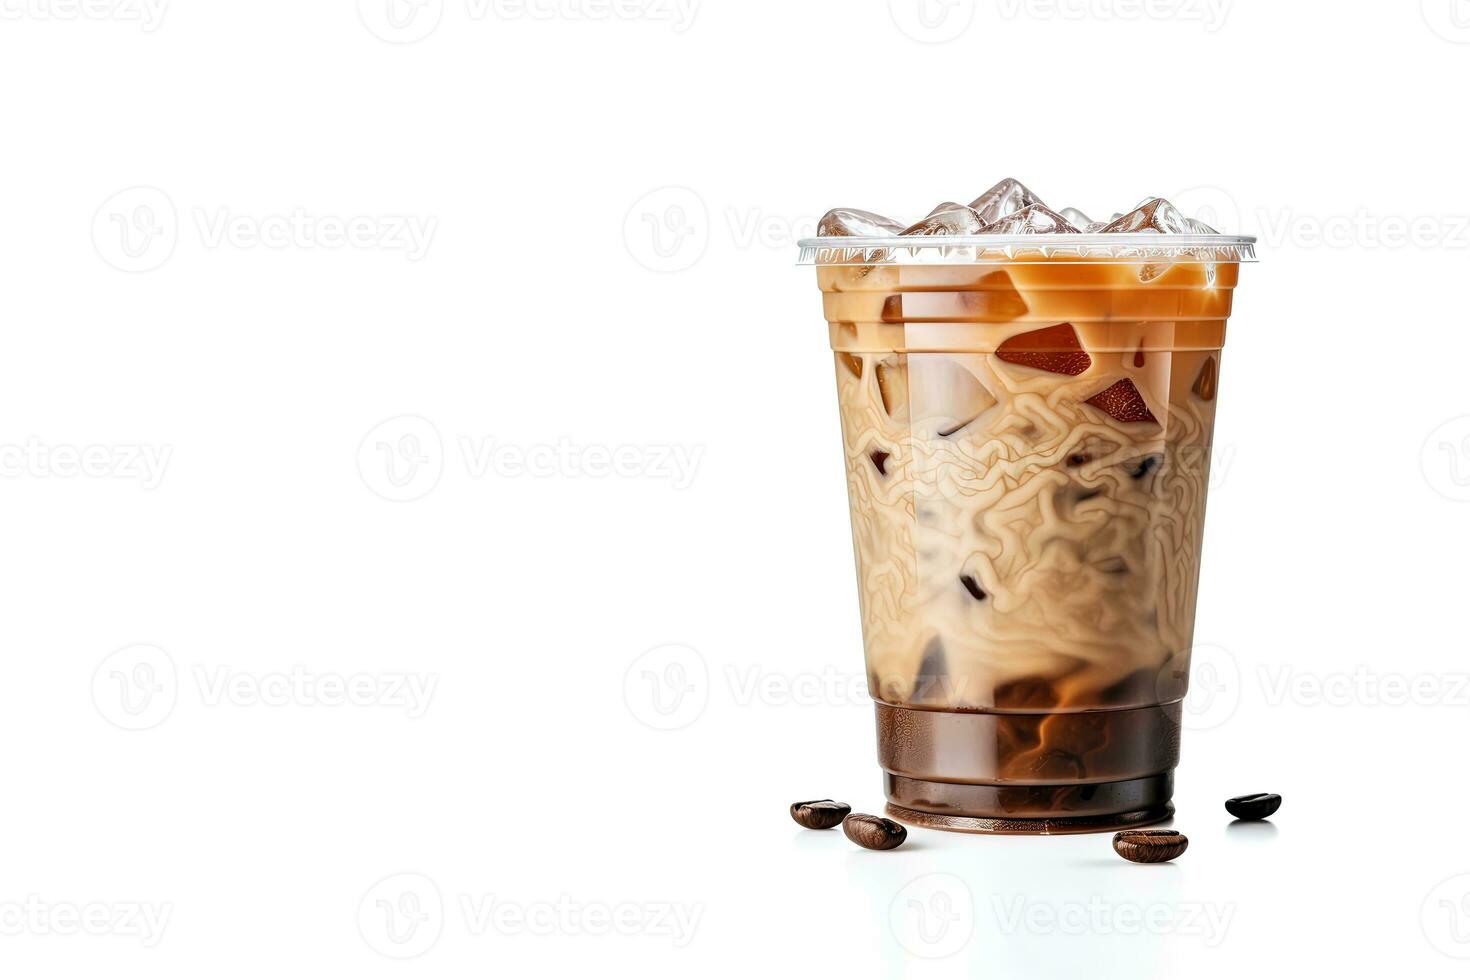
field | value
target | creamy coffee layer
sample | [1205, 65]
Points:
[1027, 450]
[1029, 512]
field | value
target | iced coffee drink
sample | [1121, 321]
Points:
[1027, 400]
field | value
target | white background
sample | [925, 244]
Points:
[374, 465]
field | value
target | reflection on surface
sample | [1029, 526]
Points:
[819, 840]
[998, 906]
[1251, 831]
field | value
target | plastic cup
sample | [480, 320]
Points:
[1026, 424]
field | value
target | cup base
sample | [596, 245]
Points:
[1030, 827]
[992, 773]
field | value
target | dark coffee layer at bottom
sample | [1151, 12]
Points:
[1036, 748]
[1064, 825]
[1013, 809]
[1032, 772]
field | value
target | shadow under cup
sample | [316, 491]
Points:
[1027, 441]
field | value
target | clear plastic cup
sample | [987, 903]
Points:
[1026, 423]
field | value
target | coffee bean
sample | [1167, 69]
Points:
[819, 814]
[1256, 806]
[874, 833]
[1150, 846]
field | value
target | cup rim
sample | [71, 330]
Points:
[967, 249]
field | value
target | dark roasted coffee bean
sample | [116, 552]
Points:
[819, 814]
[1256, 806]
[1150, 846]
[874, 833]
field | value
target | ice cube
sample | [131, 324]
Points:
[1154, 214]
[930, 682]
[853, 223]
[1034, 219]
[948, 218]
[1028, 692]
[1055, 349]
[973, 587]
[994, 298]
[1077, 218]
[1199, 227]
[1204, 385]
[893, 386]
[945, 393]
[1157, 214]
[1123, 402]
[1003, 200]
